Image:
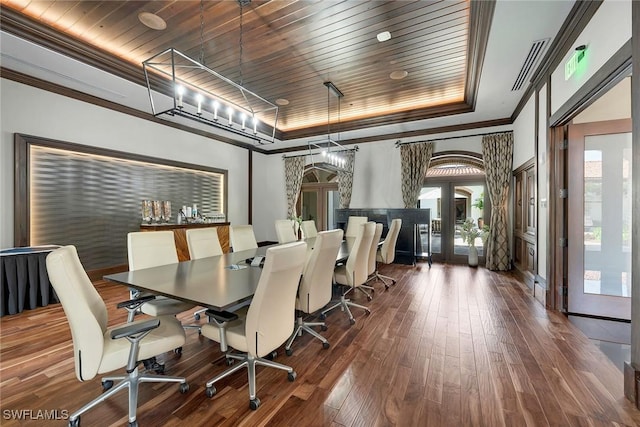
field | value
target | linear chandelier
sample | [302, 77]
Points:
[331, 151]
[204, 95]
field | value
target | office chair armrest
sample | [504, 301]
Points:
[136, 302]
[221, 316]
[135, 328]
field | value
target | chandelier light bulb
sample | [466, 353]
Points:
[180, 90]
[230, 112]
[199, 99]
[215, 106]
[243, 117]
[255, 125]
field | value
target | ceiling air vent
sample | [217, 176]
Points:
[530, 62]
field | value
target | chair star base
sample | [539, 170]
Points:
[250, 363]
[306, 327]
[131, 382]
[344, 305]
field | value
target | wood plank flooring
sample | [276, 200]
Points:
[446, 346]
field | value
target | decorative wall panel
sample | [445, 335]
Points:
[93, 201]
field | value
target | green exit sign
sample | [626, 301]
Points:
[571, 65]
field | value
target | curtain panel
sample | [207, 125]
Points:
[497, 151]
[293, 172]
[345, 179]
[415, 160]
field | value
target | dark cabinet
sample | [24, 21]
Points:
[525, 257]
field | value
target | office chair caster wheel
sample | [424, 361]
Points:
[367, 312]
[291, 376]
[196, 316]
[254, 404]
[352, 321]
[326, 345]
[210, 392]
[178, 351]
[271, 355]
[323, 316]
[288, 351]
[159, 369]
[323, 327]
[184, 388]
[106, 385]
[368, 297]
[74, 423]
[229, 362]
[133, 424]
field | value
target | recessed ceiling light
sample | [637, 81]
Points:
[383, 36]
[399, 75]
[152, 20]
[282, 101]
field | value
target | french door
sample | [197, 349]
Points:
[451, 203]
[318, 202]
[599, 213]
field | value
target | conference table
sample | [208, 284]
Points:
[219, 282]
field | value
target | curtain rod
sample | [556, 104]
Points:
[399, 143]
[284, 156]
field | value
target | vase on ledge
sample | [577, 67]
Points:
[473, 256]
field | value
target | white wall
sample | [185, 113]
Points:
[376, 177]
[32, 111]
[524, 134]
[269, 195]
[601, 41]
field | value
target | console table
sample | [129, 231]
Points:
[24, 279]
[415, 223]
[180, 235]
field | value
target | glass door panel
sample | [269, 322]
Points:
[599, 225]
[468, 205]
[310, 205]
[431, 198]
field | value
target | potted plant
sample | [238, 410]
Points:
[295, 222]
[479, 204]
[469, 233]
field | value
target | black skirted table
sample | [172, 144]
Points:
[25, 282]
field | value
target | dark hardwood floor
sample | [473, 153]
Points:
[449, 346]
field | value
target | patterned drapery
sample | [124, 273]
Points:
[415, 162]
[345, 179]
[293, 171]
[497, 151]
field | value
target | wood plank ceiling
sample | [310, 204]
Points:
[289, 48]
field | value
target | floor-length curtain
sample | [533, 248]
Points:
[415, 160]
[345, 179]
[497, 151]
[293, 171]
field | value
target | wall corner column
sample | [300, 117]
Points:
[632, 368]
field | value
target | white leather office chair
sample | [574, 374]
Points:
[387, 252]
[284, 231]
[354, 272]
[371, 260]
[314, 291]
[242, 238]
[353, 225]
[203, 243]
[97, 348]
[148, 249]
[309, 229]
[268, 322]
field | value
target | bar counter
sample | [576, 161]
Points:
[180, 235]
